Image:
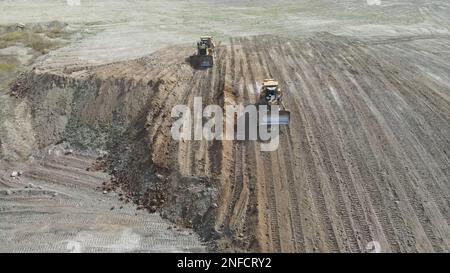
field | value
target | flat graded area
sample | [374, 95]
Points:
[55, 206]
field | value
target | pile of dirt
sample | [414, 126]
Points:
[365, 158]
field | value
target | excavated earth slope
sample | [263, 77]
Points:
[365, 160]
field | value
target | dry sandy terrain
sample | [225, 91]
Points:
[56, 205]
[365, 160]
[131, 29]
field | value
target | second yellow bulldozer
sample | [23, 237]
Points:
[205, 52]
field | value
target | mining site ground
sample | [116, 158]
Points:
[57, 206]
[364, 162]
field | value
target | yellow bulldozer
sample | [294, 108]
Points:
[271, 95]
[204, 57]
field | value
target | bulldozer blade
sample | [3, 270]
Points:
[206, 61]
[199, 61]
[284, 118]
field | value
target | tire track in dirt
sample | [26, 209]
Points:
[268, 177]
[340, 192]
[415, 195]
[398, 174]
[359, 130]
[341, 164]
[318, 99]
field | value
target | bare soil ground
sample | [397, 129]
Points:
[56, 205]
[364, 159]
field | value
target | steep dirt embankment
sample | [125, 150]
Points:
[124, 108]
[365, 158]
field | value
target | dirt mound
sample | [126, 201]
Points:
[364, 160]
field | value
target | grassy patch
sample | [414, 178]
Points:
[41, 37]
[41, 44]
[7, 67]
[35, 41]
[14, 36]
[55, 33]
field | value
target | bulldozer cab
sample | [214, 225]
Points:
[270, 94]
[208, 40]
[202, 48]
[205, 45]
[271, 91]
